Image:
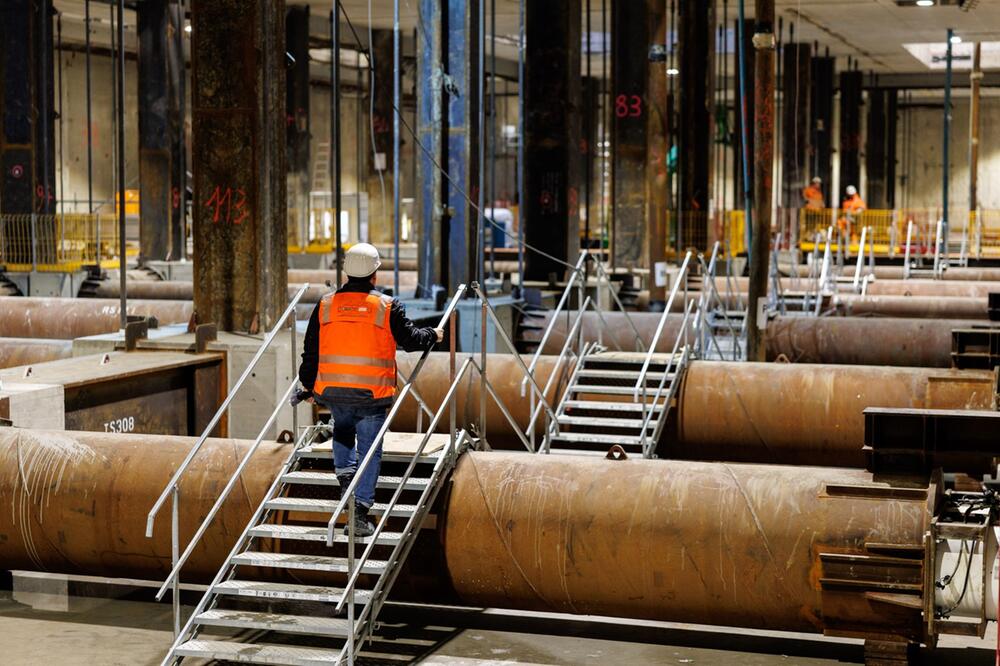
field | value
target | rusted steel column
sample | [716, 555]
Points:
[657, 156]
[696, 41]
[160, 131]
[240, 225]
[748, 56]
[876, 150]
[379, 171]
[630, 38]
[67, 318]
[26, 351]
[763, 168]
[736, 545]
[975, 82]
[553, 132]
[851, 84]
[804, 414]
[297, 134]
[796, 144]
[822, 121]
[27, 133]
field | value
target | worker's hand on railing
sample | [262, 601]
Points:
[302, 395]
[439, 332]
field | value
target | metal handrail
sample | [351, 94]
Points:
[648, 414]
[681, 277]
[705, 301]
[861, 259]
[906, 252]
[640, 345]
[173, 483]
[224, 495]
[373, 539]
[393, 411]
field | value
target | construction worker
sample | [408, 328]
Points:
[349, 365]
[813, 194]
[853, 206]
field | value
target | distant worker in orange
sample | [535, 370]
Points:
[813, 194]
[853, 206]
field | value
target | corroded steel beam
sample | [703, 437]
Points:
[27, 351]
[739, 545]
[66, 318]
[923, 343]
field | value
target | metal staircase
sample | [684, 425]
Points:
[259, 589]
[619, 398]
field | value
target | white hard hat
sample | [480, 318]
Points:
[817, 180]
[851, 190]
[361, 260]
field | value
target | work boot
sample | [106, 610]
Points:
[343, 480]
[362, 526]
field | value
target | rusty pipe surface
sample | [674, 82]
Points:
[932, 307]
[68, 318]
[407, 278]
[28, 351]
[958, 273]
[705, 543]
[804, 414]
[924, 343]
[694, 542]
[181, 290]
[890, 287]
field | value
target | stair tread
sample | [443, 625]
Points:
[599, 389]
[611, 440]
[600, 373]
[325, 452]
[287, 591]
[295, 624]
[330, 479]
[257, 653]
[591, 454]
[308, 562]
[598, 421]
[611, 406]
[310, 533]
[329, 506]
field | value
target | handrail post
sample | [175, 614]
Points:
[906, 252]
[482, 370]
[295, 408]
[350, 573]
[452, 411]
[175, 544]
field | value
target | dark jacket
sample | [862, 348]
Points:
[409, 337]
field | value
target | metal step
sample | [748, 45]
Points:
[592, 438]
[600, 389]
[611, 406]
[314, 478]
[324, 452]
[303, 562]
[329, 506]
[632, 451]
[307, 533]
[628, 375]
[597, 422]
[285, 591]
[257, 653]
[289, 624]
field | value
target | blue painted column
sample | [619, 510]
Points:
[430, 128]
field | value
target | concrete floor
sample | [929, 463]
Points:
[112, 632]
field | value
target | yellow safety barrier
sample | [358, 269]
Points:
[319, 232]
[59, 243]
[734, 234]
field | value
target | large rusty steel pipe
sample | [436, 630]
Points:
[28, 351]
[931, 307]
[67, 318]
[180, 290]
[738, 545]
[924, 343]
[957, 273]
[891, 287]
[804, 414]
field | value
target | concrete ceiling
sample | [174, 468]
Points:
[871, 31]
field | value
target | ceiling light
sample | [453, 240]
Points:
[673, 71]
[925, 3]
[955, 39]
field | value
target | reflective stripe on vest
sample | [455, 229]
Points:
[356, 347]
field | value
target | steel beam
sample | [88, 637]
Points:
[240, 225]
[739, 188]
[877, 156]
[160, 65]
[696, 42]
[553, 134]
[431, 158]
[796, 107]
[378, 139]
[821, 121]
[851, 84]
[297, 120]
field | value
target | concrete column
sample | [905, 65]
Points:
[27, 93]
[696, 39]
[821, 107]
[240, 228]
[763, 174]
[748, 57]
[297, 135]
[850, 132]
[430, 129]
[161, 140]
[553, 131]
[796, 144]
[630, 38]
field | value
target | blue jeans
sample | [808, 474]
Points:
[361, 423]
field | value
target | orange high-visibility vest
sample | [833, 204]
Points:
[356, 347]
